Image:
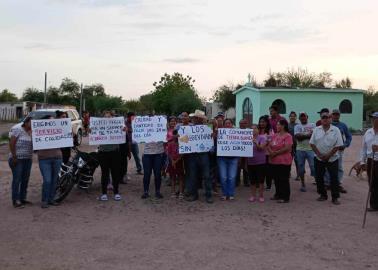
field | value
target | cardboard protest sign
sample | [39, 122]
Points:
[148, 129]
[235, 142]
[107, 130]
[51, 133]
[195, 139]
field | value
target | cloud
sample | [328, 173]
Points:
[39, 46]
[266, 17]
[285, 34]
[181, 60]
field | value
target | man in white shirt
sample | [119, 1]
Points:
[302, 133]
[368, 153]
[325, 142]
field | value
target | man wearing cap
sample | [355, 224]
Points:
[199, 167]
[319, 122]
[369, 155]
[347, 139]
[302, 133]
[325, 142]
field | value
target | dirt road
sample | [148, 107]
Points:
[84, 233]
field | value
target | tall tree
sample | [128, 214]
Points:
[7, 96]
[168, 87]
[33, 94]
[344, 83]
[224, 95]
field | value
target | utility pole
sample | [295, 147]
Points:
[45, 98]
[81, 100]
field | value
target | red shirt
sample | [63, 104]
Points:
[278, 142]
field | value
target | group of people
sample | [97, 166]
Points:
[277, 142]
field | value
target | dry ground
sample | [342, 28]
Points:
[84, 233]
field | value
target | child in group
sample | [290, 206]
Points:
[257, 166]
[176, 166]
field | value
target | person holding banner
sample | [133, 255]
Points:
[152, 160]
[228, 169]
[110, 163]
[66, 151]
[50, 161]
[20, 161]
[280, 158]
[257, 165]
[198, 165]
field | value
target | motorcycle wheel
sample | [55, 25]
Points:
[64, 187]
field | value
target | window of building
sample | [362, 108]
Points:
[280, 105]
[345, 106]
[248, 111]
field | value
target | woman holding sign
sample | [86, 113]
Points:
[280, 158]
[228, 169]
[20, 161]
[50, 161]
[110, 163]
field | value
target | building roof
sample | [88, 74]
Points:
[297, 89]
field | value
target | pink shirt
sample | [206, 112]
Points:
[278, 142]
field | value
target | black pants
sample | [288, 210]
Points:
[332, 168]
[110, 163]
[374, 184]
[66, 154]
[281, 175]
[124, 159]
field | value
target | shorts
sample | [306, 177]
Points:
[257, 173]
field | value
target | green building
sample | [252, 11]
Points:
[251, 103]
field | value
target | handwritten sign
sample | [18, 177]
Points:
[107, 130]
[235, 142]
[148, 129]
[195, 139]
[51, 133]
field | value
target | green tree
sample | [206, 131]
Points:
[94, 90]
[370, 101]
[344, 83]
[185, 100]
[224, 95]
[7, 96]
[54, 96]
[147, 103]
[33, 94]
[170, 86]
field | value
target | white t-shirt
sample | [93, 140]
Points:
[24, 144]
[325, 141]
[304, 145]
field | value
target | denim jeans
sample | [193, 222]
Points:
[135, 152]
[340, 171]
[50, 172]
[152, 163]
[302, 156]
[228, 169]
[199, 169]
[21, 174]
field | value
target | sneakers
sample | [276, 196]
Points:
[335, 201]
[103, 197]
[232, 198]
[159, 196]
[342, 190]
[223, 198]
[18, 204]
[261, 199]
[322, 199]
[191, 198]
[144, 196]
[210, 200]
[117, 197]
[44, 205]
[303, 189]
[252, 199]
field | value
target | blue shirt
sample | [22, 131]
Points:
[345, 134]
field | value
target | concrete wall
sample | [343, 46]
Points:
[11, 111]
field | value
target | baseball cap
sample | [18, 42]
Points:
[374, 115]
[324, 110]
[302, 113]
[335, 111]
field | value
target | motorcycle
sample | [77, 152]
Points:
[79, 170]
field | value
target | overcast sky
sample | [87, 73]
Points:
[128, 44]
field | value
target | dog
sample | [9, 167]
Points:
[358, 169]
